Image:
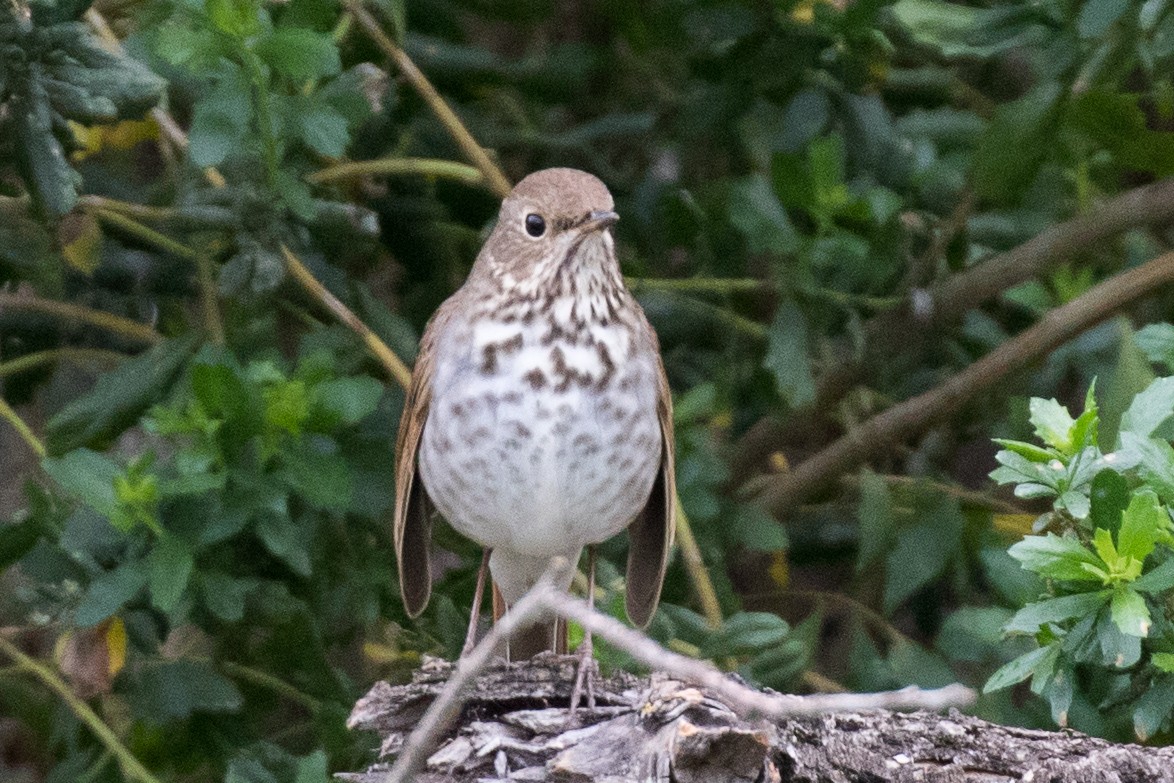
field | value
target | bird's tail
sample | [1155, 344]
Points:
[544, 636]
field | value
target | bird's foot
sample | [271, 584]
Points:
[585, 674]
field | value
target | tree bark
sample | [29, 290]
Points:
[514, 727]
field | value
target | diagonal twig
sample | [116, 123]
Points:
[916, 414]
[473, 151]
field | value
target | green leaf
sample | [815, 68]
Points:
[1053, 424]
[1015, 144]
[1086, 430]
[1027, 450]
[221, 121]
[1118, 649]
[1156, 581]
[1097, 16]
[224, 595]
[1157, 342]
[348, 400]
[1056, 557]
[287, 540]
[110, 592]
[1031, 618]
[1130, 613]
[1154, 708]
[299, 54]
[875, 518]
[312, 768]
[755, 211]
[1019, 669]
[1141, 524]
[169, 567]
[1109, 498]
[755, 528]
[16, 540]
[323, 129]
[1163, 661]
[1154, 460]
[787, 356]
[318, 474]
[119, 397]
[1150, 409]
[162, 691]
[973, 633]
[746, 633]
[922, 552]
[88, 475]
[237, 18]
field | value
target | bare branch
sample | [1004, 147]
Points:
[544, 599]
[890, 332]
[914, 415]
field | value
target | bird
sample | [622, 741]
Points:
[538, 420]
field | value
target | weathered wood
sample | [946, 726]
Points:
[514, 728]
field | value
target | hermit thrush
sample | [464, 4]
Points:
[538, 420]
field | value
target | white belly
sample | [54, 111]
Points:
[540, 472]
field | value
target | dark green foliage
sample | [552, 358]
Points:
[55, 71]
[212, 515]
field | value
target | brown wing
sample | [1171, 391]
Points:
[413, 510]
[651, 532]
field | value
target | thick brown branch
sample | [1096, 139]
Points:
[948, 300]
[913, 416]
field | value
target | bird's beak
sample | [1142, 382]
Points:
[600, 219]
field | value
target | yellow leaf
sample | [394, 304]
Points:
[80, 238]
[778, 463]
[116, 136]
[115, 646]
[780, 569]
[1014, 524]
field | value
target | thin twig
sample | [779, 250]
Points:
[961, 494]
[210, 299]
[914, 415]
[31, 361]
[131, 766]
[22, 429]
[698, 285]
[422, 167]
[146, 233]
[277, 685]
[395, 366]
[137, 211]
[711, 610]
[474, 153]
[746, 701]
[124, 327]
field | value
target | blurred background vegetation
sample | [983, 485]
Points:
[866, 232]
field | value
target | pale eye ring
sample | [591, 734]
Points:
[535, 224]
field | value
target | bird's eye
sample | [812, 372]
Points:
[535, 225]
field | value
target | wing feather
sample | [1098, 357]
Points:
[412, 523]
[651, 532]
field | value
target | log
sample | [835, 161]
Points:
[514, 726]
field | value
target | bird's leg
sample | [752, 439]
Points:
[475, 613]
[585, 673]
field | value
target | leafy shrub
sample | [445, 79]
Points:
[1106, 553]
